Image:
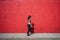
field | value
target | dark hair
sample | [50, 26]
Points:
[29, 17]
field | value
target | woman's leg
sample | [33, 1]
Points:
[28, 30]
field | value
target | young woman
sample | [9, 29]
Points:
[29, 25]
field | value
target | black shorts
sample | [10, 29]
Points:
[29, 27]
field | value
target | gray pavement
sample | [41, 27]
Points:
[31, 39]
[23, 36]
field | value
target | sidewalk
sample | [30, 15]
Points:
[35, 35]
[31, 39]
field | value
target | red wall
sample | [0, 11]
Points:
[45, 15]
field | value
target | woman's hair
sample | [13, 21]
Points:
[29, 17]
